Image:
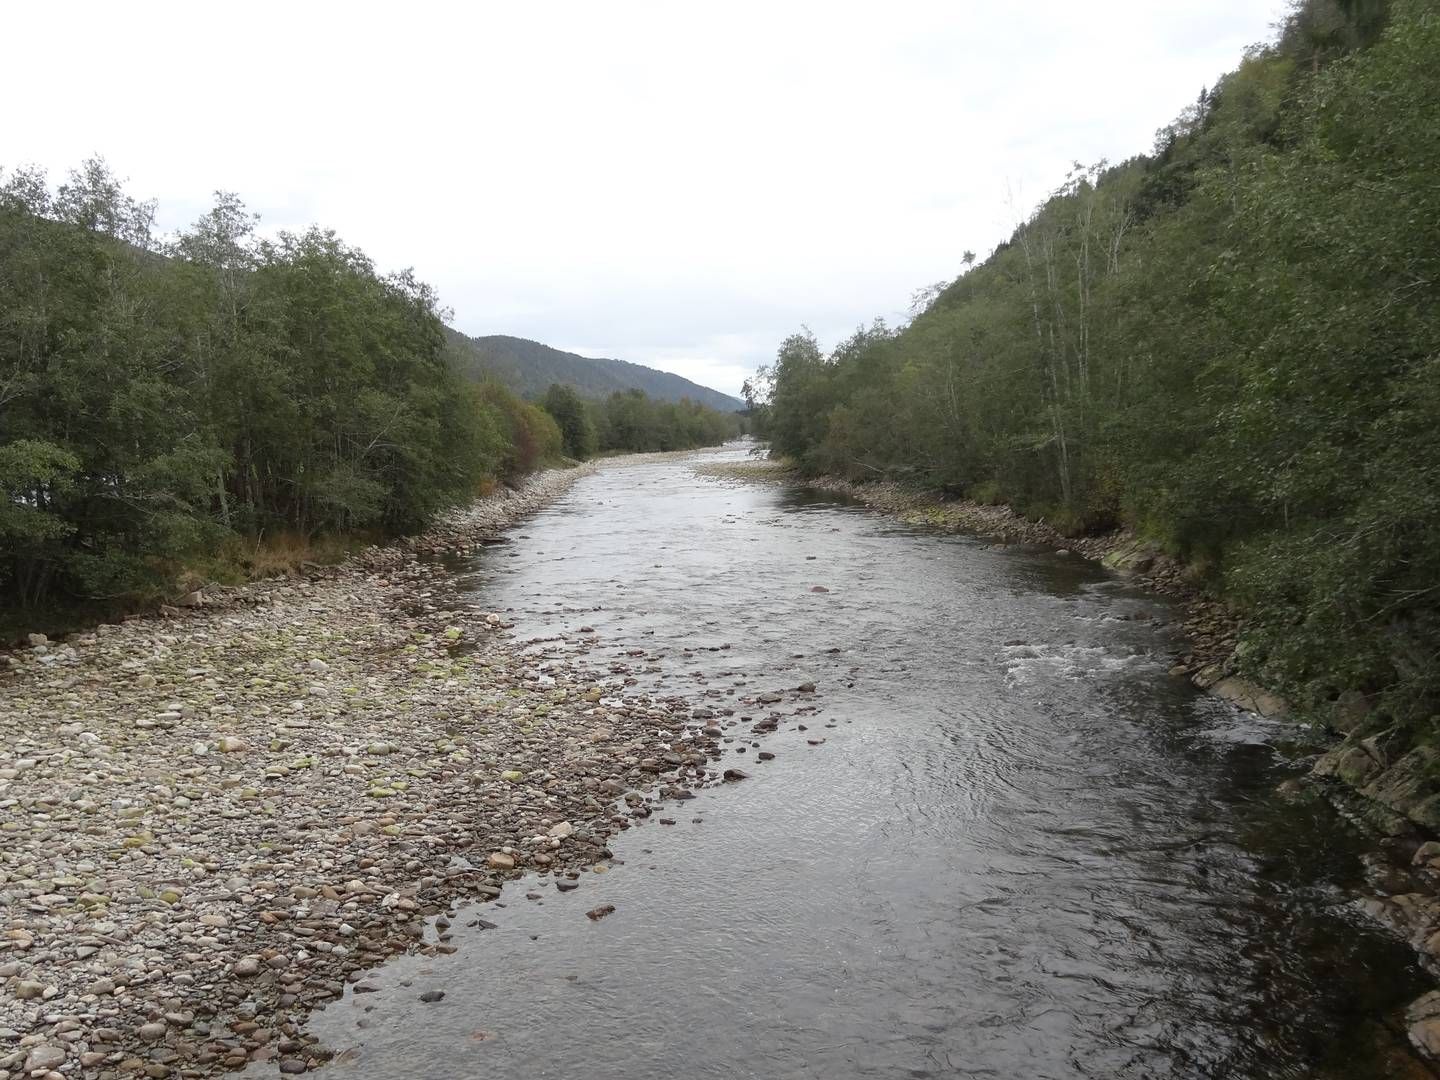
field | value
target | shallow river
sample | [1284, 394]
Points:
[1022, 851]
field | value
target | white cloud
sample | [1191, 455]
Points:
[663, 183]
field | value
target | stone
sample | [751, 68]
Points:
[247, 966]
[151, 1032]
[1349, 763]
[1349, 712]
[28, 989]
[1249, 696]
[232, 744]
[498, 860]
[1423, 1018]
[432, 996]
[44, 1057]
[598, 913]
[561, 830]
[1411, 786]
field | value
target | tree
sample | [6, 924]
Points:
[569, 412]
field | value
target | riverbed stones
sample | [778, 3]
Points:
[28, 989]
[183, 893]
[45, 1057]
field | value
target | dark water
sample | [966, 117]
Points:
[1047, 859]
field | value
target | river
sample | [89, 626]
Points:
[1022, 850]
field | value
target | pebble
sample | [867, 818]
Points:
[44, 1057]
[207, 867]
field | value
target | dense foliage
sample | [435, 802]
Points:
[159, 400]
[631, 420]
[1231, 344]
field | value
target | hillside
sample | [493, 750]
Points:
[1230, 344]
[528, 367]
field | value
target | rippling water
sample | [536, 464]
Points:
[1023, 850]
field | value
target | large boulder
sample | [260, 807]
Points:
[1411, 786]
[1134, 557]
[1349, 712]
[1350, 763]
[1249, 696]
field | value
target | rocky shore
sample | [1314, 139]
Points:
[1395, 783]
[213, 821]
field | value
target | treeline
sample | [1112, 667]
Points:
[1231, 344]
[630, 420]
[161, 400]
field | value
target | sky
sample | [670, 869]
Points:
[676, 184]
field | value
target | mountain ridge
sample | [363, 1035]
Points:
[529, 367]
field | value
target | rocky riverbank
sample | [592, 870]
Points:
[215, 820]
[1397, 781]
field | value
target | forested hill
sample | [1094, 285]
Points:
[529, 368]
[1230, 344]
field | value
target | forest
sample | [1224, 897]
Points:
[630, 420]
[1230, 344]
[200, 404]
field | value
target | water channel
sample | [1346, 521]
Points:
[1022, 850]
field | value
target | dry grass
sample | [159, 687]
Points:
[289, 553]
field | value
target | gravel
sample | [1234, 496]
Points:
[212, 821]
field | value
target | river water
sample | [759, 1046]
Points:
[1023, 850]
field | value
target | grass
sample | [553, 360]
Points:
[284, 554]
[240, 560]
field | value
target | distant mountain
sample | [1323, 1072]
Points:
[529, 368]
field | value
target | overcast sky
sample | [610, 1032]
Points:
[676, 184]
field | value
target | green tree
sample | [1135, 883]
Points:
[576, 427]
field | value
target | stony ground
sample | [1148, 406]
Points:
[212, 821]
